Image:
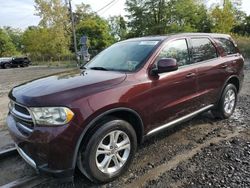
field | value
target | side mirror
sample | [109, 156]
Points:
[165, 65]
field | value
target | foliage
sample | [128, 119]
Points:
[44, 42]
[7, 48]
[15, 36]
[52, 37]
[118, 27]
[97, 31]
[53, 13]
[243, 28]
[243, 44]
[223, 18]
[82, 12]
[94, 27]
[152, 17]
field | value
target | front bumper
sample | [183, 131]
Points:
[30, 161]
[49, 150]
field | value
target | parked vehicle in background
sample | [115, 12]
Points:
[21, 61]
[5, 62]
[8, 62]
[94, 119]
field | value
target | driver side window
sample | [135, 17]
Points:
[178, 50]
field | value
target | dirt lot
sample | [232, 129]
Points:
[203, 152]
[10, 78]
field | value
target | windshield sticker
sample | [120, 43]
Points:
[150, 43]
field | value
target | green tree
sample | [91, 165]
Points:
[187, 16]
[152, 17]
[43, 42]
[243, 28]
[82, 12]
[15, 36]
[54, 26]
[94, 27]
[53, 13]
[7, 48]
[140, 18]
[97, 31]
[118, 27]
[223, 18]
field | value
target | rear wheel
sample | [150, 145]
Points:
[227, 102]
[109, 151]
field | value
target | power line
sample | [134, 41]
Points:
[106, 6]
[109, 7]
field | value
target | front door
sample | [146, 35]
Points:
[174, 93]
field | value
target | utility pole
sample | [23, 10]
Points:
[73, 29]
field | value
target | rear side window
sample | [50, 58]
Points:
[228, 46]
[203, 50]
[178, 50]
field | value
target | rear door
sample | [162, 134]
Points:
[231, 56]
[211, 72]
[173, 93]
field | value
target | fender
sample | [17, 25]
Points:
[98, 118]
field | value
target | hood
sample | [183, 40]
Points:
[62, 88]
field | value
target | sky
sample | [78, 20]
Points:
[20, 13]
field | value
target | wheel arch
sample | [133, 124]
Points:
[234, 79]
[126, 114]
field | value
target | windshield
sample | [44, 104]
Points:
[123, 56]
[5, 58]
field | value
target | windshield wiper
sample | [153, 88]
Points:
[83, 67]
[98, 68]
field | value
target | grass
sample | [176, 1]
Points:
[65, 64]
[244, 45]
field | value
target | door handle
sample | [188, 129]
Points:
[224, 66]
[190, 75]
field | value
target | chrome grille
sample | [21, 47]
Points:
[21, 109]
[22, 117]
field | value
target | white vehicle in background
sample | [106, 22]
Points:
[5, 62]
[8, 62]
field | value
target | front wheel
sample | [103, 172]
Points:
[227, 102]
[109, 151]
[6, 66]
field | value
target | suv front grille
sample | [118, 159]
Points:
[21, 109]
[22, 117]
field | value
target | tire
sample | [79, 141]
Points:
[227, 103]
[6, 66]
[90, 163]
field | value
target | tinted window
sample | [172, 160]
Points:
[203, 49]
[178, 50]
[228, 46]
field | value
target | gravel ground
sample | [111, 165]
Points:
[10, 78]
[203, 152]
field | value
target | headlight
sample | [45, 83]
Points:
[52, 115]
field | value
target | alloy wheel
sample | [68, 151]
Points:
[229, 102]
[113, 152]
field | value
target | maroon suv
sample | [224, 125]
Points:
[95, 118]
